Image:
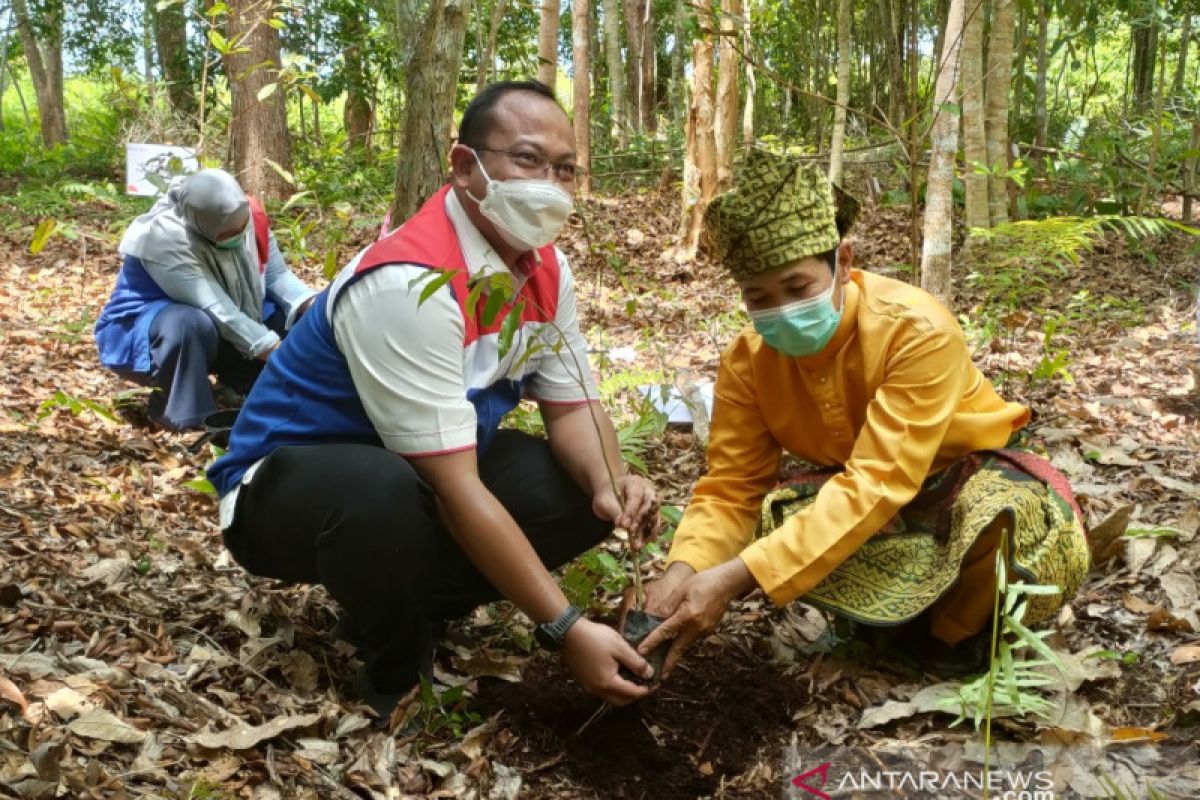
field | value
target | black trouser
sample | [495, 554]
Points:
[358, 520]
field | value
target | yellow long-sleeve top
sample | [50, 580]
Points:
[891, 399]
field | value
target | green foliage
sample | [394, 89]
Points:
[1012, 683]
[444, 711]
[76, 406]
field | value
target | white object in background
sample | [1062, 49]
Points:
[143, 160]
[673, 405]
[627, 354]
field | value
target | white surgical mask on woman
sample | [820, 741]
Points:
[528, 213]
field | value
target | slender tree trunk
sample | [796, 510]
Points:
[974, 127]
[431, 84]
[679, 92]
[43, 54]
[999, 82]
[751, 85]
[728, 69]
[837, 145]
[700, 162]
[616, 71]
[357, 114]
[648, 102]
[581, 17]
[258, 132]
[1043, 66]
[4, 32]
[547, 71]
[633, 62]
[488, 57]
[1185, 40]
[148, 50]
[914, 143]
[170, 40]
[939, 202]
[1145, 51]
[893, 40]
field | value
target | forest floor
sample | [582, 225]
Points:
[137, 660]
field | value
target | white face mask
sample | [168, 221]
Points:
[527, 213]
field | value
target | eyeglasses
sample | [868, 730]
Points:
[533, 161]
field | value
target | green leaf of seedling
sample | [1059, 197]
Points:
[267, 91]
[219, 42]
[495, 302]
[473, 298]
[283, 173]
[440, 279]
[331, 265]
[509, 328]
[531, 350]
[201, 485]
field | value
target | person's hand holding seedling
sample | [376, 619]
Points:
[690, 603]
[635, 511]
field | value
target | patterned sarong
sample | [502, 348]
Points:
[905, 567]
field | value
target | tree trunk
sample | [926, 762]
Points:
[894, 44]
[547, 71]
[639, 29]
[43, 53]
[1185, 40]
[1145, 51]
[751, 86]
[939, 201]
[1043, 65]
[357, 114]
[170, 40]
[147, 51]
[679, 93]
[4, 31]
[648, 102]
[974, 128]
[616, 72]
[258, 132]
[729, 67]
[837, 144]
[700, 160]
[488, 57]
[581, 17]
[431, 83]
[998, 85]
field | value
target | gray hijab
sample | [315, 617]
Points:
[180, 232]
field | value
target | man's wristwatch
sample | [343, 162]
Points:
[551, 635]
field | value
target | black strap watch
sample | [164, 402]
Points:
[551, 635]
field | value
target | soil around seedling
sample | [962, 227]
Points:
[710, 720]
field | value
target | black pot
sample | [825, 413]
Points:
[216, 429]
[639, 625]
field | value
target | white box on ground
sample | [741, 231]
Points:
[669, 401]
[143, 160]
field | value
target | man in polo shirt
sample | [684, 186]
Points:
[368, 458]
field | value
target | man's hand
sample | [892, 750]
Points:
[594, 653]
[660, 594]
[694, 607]
[639, 497]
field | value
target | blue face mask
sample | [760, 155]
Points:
[802, 328]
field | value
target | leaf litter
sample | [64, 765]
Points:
[137, 660]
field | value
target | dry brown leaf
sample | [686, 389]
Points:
[10, 692]
[243, 737]
[1139, 606]
[1185, 654]
[1106, 539]
[1164, 621]
[106, 726]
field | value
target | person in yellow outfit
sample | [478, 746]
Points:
[869, 380]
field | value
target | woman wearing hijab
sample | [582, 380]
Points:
[203, 289]
[912, 489]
